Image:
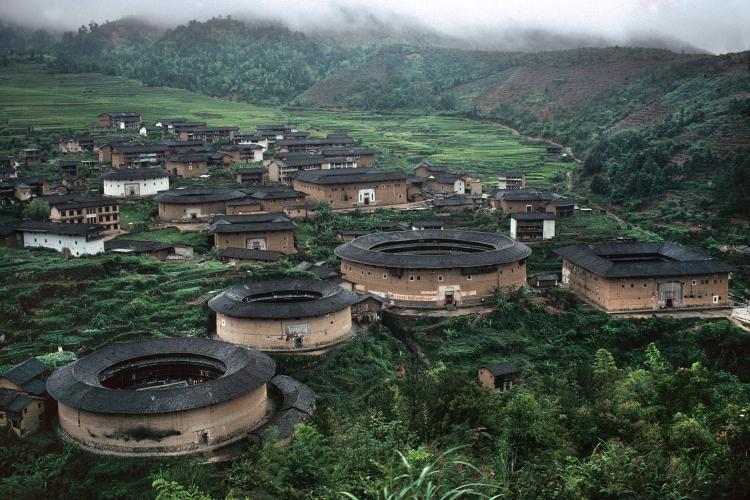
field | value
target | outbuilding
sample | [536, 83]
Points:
[195, 204]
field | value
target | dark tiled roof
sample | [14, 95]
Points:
[235, 219]
[563, 202]
[255, 227]
[275, 127]
[347, 176]
[77, 384]
[640, 259]
[14, 401]
[135, 173]
[446, 249]
[74, 201]
[427, 223]
[248, 254]
[347, 151]
[60, 228]
[304, 160]
[250, 171]
[25, 371]
[139, 148]
[278, 195]
[453, 201]
[501, 369]
[187, 157]
[330, 298]
[316, 142]
[533, 216]
[442, 178]
[526, 194]
[241, 147]
[214, 129]
[198, 195]
[119, 114]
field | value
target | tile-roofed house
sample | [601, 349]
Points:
[75, 208]
[521, 200]
[242, 153]
[135, 182]
[27, 376]
[645, 276]
[188, 164]
[251, 176]
[511, 180]
[352, 187]
[532, 226]
[273, 231]
[119, 119]
[332, 141]
[498, 377]
[208, 134]
[74, 239]
[136, 155]
[275, 199]
[20, 411]
[285, 166]
[77, 144]
[365, 157]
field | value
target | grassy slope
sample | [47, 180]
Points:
[32, 97]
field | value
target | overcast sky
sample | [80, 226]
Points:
[715, 25]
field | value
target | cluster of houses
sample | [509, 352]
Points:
[419, 265]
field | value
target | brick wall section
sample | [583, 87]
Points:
[182, 169]
[642, 293]
[510, 207]
[428, 287]
[271, 335]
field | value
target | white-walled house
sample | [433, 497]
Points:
[73, 239]
[532, 226]
[135, 182]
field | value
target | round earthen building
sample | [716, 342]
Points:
[433, 268]
[284, 315]
[162, 397]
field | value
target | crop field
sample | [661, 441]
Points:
[31, 98]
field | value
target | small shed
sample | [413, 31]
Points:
[499, 376]
[544, 280]
[367, 309]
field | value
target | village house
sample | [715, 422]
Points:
[29, 187]
[195, 204]
[532, 226]
[188, 164]
[441, 179]
[179, 127]
[68, 167]
[631, 276]
[135, 182]
[167, 124]
[368, 308]
[498, 377]
[119, 119]
[562, 207]
[511, 180]
[78, 144]
[71, 182]
[315, 145]
[31, 156]
[251, 176]
[426, 225]
[273, 231]
[23, 397]
[352, 187]
[239, 255]
[242, 153]
[277, 199]
[251, 138]
[277, 132]
[7, 162]
[8, 174]
[283, 170]
[208, 134]
[124, 155]
[521, 200]
[170, 252]
[73, 208]
[456, 203]
[544, 280]
[70, 239]
[364, 157]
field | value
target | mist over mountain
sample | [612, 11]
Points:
[477, 24]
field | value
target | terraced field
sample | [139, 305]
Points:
[32, 98]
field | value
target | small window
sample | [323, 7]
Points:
[223, 322]
[440, 277]
[716, 299]
[468, 276]
[385, 276]
[694, 282]
[411, 278]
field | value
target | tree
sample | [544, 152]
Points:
[37, 209]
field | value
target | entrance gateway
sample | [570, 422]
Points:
[366, 196]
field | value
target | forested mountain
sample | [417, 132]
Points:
[646, 121]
